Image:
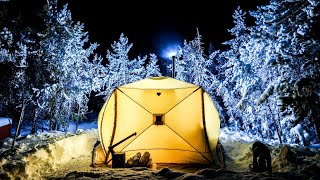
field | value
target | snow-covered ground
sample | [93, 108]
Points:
[58, 155]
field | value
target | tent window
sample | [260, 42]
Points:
[158, 119]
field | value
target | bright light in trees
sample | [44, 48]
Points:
[169, 51]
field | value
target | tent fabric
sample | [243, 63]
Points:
[5, 128]
[175, 121]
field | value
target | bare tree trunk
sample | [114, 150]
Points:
[50, 124]
[77, 122]
[317, 129]
[42, 126]
[19, 124]
[277, 122]
[34, 125]
[77, 125]
[279, 132]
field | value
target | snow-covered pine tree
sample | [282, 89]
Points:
[15, 87]
[292, 28]
[181, 64]
[21, 91]
[195, 62]
[79, 78]
[152, 67]
[237, 85]
[137, 70]
[118, 66]
[20, 62]
[6, 43]
[66, 53]
[6, 58]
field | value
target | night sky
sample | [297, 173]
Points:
[150, 25]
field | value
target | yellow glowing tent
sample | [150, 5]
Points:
[175, 121]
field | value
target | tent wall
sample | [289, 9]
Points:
[212, 122]
[107, 122]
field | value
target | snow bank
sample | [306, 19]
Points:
[237, 150]
[48, 153]
[59, 155]
[284, 158]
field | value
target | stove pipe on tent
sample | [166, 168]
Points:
[173, 66]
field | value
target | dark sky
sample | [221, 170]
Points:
[149, 25]
[153, 25]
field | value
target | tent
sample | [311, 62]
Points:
[175, 121]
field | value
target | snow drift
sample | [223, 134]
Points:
[59, 155]
[43, 154]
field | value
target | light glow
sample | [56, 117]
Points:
[170, 51]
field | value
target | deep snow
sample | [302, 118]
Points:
[60, 155]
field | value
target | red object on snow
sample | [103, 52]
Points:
[5, 128]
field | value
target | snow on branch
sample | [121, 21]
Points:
[267, 92]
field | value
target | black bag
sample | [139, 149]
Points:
[261, 158]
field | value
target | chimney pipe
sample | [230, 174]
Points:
[173, 59]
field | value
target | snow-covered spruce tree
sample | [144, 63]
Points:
[195, 63]
[18, 70]
[181, 64]
[239, 80]
[165, 66]
[293, 33]
[152, 67]
[6, 44]
[16, 86]
[66, 53]
[259, 52]
[192, 65]
[15, 90]
[36, 76]
[22, 93]
[119, 66]
[137, 70]
[217, 79]
[6, 58]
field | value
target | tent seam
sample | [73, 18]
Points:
[136, 137]
[182, 100]
[188, 143]
[135, 102]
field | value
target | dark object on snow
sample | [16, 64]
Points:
[220, 155]
[261, 158]
[169, 174]
[94, 151]
[119, 158]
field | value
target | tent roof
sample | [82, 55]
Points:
[159, 83]
[5, 121]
